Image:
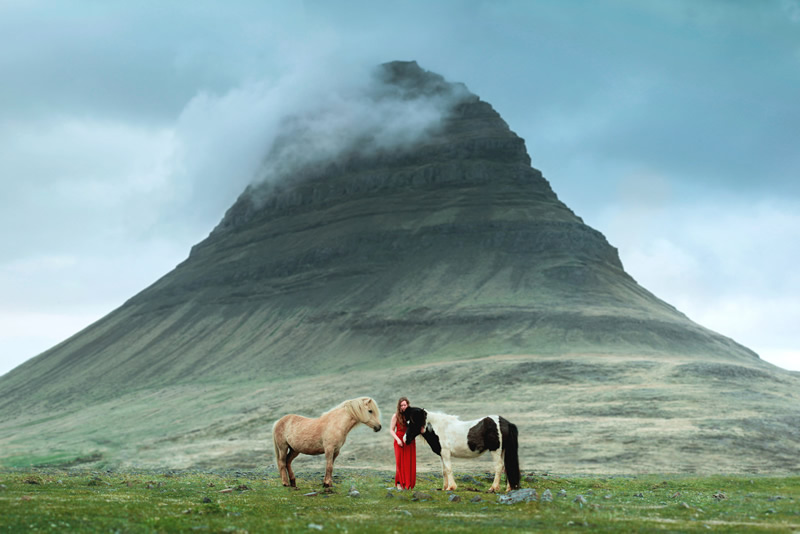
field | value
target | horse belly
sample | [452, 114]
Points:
[304, 436]
[462, 450]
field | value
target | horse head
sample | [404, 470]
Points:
[367, 412]
[416, 419]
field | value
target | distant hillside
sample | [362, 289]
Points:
[437, 256]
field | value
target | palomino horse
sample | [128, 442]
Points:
[295, 434]
[449, 436]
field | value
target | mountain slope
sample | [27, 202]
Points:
[449, 248]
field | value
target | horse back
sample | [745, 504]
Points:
[467, 439]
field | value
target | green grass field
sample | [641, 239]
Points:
[65, 501]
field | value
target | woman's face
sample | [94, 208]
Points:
[403, 406]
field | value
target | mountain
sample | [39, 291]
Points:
[439, 265]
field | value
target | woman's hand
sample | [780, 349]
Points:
[399, 441]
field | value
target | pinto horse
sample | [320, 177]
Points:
[295, 434]
[449, 436]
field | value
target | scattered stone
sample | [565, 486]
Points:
[315, 526]
[530, 478]
[226, 490]
[242, 487]
[354, 492]
[476, 499]
[580, 499]
[562, 493]
[206, 500]
[719, 496]
[517, 496]
[454, 498]
[547, 496]
[469, 479]
[420, 496]
[776, 498]
[311, 494]
[683, 504]
[640, 495]
[25, 498]
[3, 487]
[406, 512]
[676, 494]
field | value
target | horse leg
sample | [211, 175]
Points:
[447, 471]
[281, 450]
[508, 481]
[330, 456]
[497, 458]
[289, 457]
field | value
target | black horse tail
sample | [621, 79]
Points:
[511, 452]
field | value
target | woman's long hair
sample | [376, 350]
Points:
[401, 420]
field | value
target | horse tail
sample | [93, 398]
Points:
[511, 453]
[275, 442]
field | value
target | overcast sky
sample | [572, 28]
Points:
[673, 127]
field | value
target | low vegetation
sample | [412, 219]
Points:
[363, 501]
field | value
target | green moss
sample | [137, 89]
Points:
[256, 502]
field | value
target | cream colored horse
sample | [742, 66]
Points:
[295, 434]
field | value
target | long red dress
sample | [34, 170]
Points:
[405, 461]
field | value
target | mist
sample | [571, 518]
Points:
[267, 132]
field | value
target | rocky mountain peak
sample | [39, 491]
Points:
[411, 117]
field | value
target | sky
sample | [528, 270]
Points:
[671, 126]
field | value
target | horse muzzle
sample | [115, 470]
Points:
[377, 428]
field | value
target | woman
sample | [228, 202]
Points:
[405, 454]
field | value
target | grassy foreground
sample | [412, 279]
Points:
[254, 501]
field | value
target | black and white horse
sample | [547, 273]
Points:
[449, 436]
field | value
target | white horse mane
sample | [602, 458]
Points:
[441, 417]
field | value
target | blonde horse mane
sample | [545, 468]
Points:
[359, 410]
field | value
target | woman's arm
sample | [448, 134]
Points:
[393, 428]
